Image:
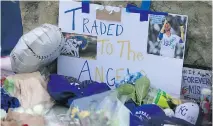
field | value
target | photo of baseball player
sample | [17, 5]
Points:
[168, 38]
[81, 46]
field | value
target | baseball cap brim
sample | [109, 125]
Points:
[162, 120]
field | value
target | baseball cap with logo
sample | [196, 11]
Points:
[145, 113]
[187, 114]
[64, 90]
[190, 112]
[61, 90]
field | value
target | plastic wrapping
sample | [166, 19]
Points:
[39, 109]
[161, 99]
[52, 119]
[103, 109]
[23, 119]
[108, 109]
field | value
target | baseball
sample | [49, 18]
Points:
[36, 49]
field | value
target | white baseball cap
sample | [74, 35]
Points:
[190, 112]
[187, 114]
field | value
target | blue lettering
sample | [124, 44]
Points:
[204, 81]
[191, 89]
[184, 78]
[188, 79]
[73, 20]
[102, 28]
[207, 74]
[193, 72]
[109, 29]
[84, 24]
[208, 82]
[197, 80]
[183, 110]
[113, 79]
[190, 72]
[199, 73]
[82, 70]
[117, 34]
[192, 80]
[94, 26]
[194, 89]
[198, 89]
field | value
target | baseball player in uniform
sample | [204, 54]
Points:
[169, 40]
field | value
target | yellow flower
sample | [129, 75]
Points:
[83, 114]
[74, 111]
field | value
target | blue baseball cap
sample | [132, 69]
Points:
[61, 90]
[130, 104]
[64, 90]
[91, 89]
[94, 88]
[145, 113]
[153, 115]
[136, 121]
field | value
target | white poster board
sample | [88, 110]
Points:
[112, 47]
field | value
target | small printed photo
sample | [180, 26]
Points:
[167, 35]
[81, 46]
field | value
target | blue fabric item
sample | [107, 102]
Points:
[136, 121]
[147, 111]
[64, 92]
[91, 89]
[130, 105]
[143, 13]
[85, 6]
[157, 121]
[160, 36]
[58, 83]
[94, 88]
[145, 4]
[61, 90]
[161, 120]
[85, 83]
[8, 101]
[11, 26]
[72, 80]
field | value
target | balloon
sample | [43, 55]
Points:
[37, 49]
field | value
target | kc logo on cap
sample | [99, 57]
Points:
[189, 112]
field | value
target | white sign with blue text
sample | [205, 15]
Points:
[193, 81]
[102, 50]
